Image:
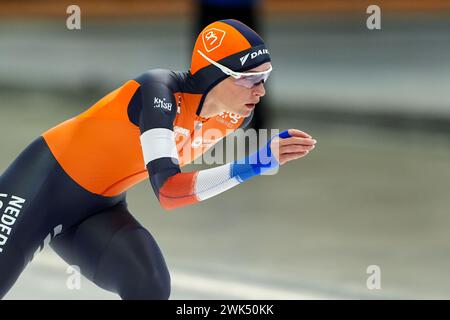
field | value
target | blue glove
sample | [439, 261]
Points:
[258, 162]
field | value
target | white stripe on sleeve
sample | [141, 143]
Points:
[211, 182]
[158, 143]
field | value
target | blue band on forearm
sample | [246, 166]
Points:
[256, 163]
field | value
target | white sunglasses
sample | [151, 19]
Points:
[245, 79]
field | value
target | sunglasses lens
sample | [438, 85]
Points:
[251, 80]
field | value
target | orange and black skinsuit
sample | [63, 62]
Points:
[68, 187]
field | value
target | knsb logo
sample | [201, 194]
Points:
[212, 38]
[161, 103]
[253, 55]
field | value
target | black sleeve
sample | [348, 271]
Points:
[157, 137]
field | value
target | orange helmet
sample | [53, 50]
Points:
[230, 43]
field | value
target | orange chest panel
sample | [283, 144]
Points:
[100, 149]
[193, 134]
